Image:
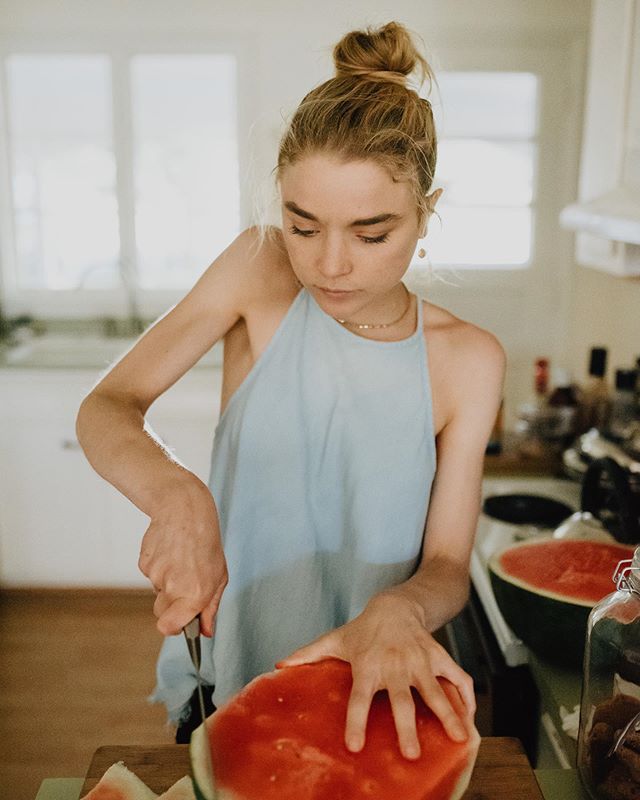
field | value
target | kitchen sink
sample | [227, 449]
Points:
[67, 351]
[79, 351]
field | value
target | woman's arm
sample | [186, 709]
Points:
[389, 645]
[183, 535]
[440, 586]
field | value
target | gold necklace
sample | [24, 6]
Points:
[361, 326]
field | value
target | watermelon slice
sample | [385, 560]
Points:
[546, 588]
[282, 737]
[119, 783]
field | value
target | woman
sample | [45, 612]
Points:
[347, 463]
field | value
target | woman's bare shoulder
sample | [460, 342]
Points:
[455, 334]
[467, 362]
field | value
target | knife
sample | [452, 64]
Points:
[192, 635]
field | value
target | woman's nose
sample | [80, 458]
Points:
[334, 261]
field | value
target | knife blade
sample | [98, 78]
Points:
[192, 634]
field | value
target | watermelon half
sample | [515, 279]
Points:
[282, 737]
[546, 588]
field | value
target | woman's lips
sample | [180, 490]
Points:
[336, 295]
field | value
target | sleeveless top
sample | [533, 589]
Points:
[321, 471]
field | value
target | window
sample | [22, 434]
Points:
[120, 175]
[185, 165]
[487, 124]
[63, 171]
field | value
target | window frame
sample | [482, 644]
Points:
[118, 49]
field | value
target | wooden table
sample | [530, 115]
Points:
[502, 769]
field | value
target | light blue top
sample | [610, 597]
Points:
[321, 471]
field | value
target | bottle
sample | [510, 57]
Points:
[623, 411]
[541, 381]
[564, 402]
[611, 691]
[529, 426]
[595, 398]
[564, 392]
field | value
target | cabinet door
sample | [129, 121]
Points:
[52, 505]
[61, 524]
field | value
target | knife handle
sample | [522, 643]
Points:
[192, 634]
[192, 629]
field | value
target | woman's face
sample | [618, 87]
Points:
[347, 227]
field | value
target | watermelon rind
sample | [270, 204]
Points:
[180, 790]
[120, 779]
[464, 779]
[203, 782]
[551, 624]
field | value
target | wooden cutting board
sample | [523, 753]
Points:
[502, 769]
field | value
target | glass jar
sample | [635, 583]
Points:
[611, 691]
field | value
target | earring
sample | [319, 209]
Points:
[422, 252]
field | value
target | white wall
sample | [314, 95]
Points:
[289, 48]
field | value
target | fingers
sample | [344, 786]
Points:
[207, 615]
[464, 685]
[404, 716]
[436, 699]
[357, 714]
[174, 614]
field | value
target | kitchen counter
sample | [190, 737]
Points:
[510, 462]
[560, 690]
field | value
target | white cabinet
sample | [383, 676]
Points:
[61, 524]
[607, 214]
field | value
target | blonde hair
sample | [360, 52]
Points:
[367, 111]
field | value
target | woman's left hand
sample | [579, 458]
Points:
[389, 647]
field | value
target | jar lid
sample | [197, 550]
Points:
[626, 575]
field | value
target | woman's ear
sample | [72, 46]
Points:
[431, 199]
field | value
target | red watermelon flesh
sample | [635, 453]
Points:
[119, 783]
[574, 568]
[282, 737]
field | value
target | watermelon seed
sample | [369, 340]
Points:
[272, 777]
[281, 699]
[301, 715]
[279, 746]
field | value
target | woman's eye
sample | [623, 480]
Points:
[300, 232]
[365, 239]
[375, 239]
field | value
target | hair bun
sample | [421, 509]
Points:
[384, 54]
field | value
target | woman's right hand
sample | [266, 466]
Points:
[181, 554]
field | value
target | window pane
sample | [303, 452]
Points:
[185, 164]
[63, 171]
[492, 104]
[491, 237]
[482, 172]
